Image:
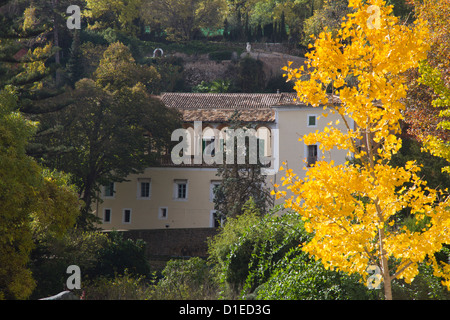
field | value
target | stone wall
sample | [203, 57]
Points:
[198, 68]
[207, 70]
[168, 243]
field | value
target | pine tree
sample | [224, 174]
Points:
[25, 56]
[74, 66]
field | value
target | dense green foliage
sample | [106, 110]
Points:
[74, 248]
[251, 77]
[260, 258]
[186, 280]
[100, 256]
[121, 254]
[124, 286]
[33, 201]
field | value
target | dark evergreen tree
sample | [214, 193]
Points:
[251, 77]
[258, 32]
[27, 59]
[247, 29]
[268, 31]
[276, 32]
[283, 33]
[226, 29]
[74, 65]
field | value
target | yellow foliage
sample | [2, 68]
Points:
[352, 208]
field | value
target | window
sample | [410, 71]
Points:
[143, 191]
[180, 190]
[312, 120]
[311, 155]
[126, 215]
[212, 187]
[106, 215]
[108, 190]
[162, 213]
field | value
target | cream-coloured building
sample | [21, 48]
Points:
[181, 195]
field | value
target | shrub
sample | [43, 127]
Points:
[121, 254]
[250, 73]
[215, 86]
[186, 280]
[262, 247]
[52, 256]
[121, 287]
[261, 258]
[298, 277]
[220, 55]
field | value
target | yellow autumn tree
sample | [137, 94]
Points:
[353, 210]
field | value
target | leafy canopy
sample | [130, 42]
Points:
[33, 201]
[353, 208]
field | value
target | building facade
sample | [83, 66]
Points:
[181, 195]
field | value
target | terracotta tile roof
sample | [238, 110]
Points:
[218, 107]
[226, 100]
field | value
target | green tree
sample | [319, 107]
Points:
[119, 255]
[181, 18]
[116, 14]
[32, 201]
[258, 257]
[250, 75]
[52, 255]
[19, 175]
[118, 69]
[329, 16]
[298, 277]
[24, 54]
[31, 59]
[74, 65]
[231, 271]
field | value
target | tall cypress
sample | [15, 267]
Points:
[226, 31]
[283, 34]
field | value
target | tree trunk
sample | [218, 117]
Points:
[83, 220]
[383, 259]
[385, 268]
